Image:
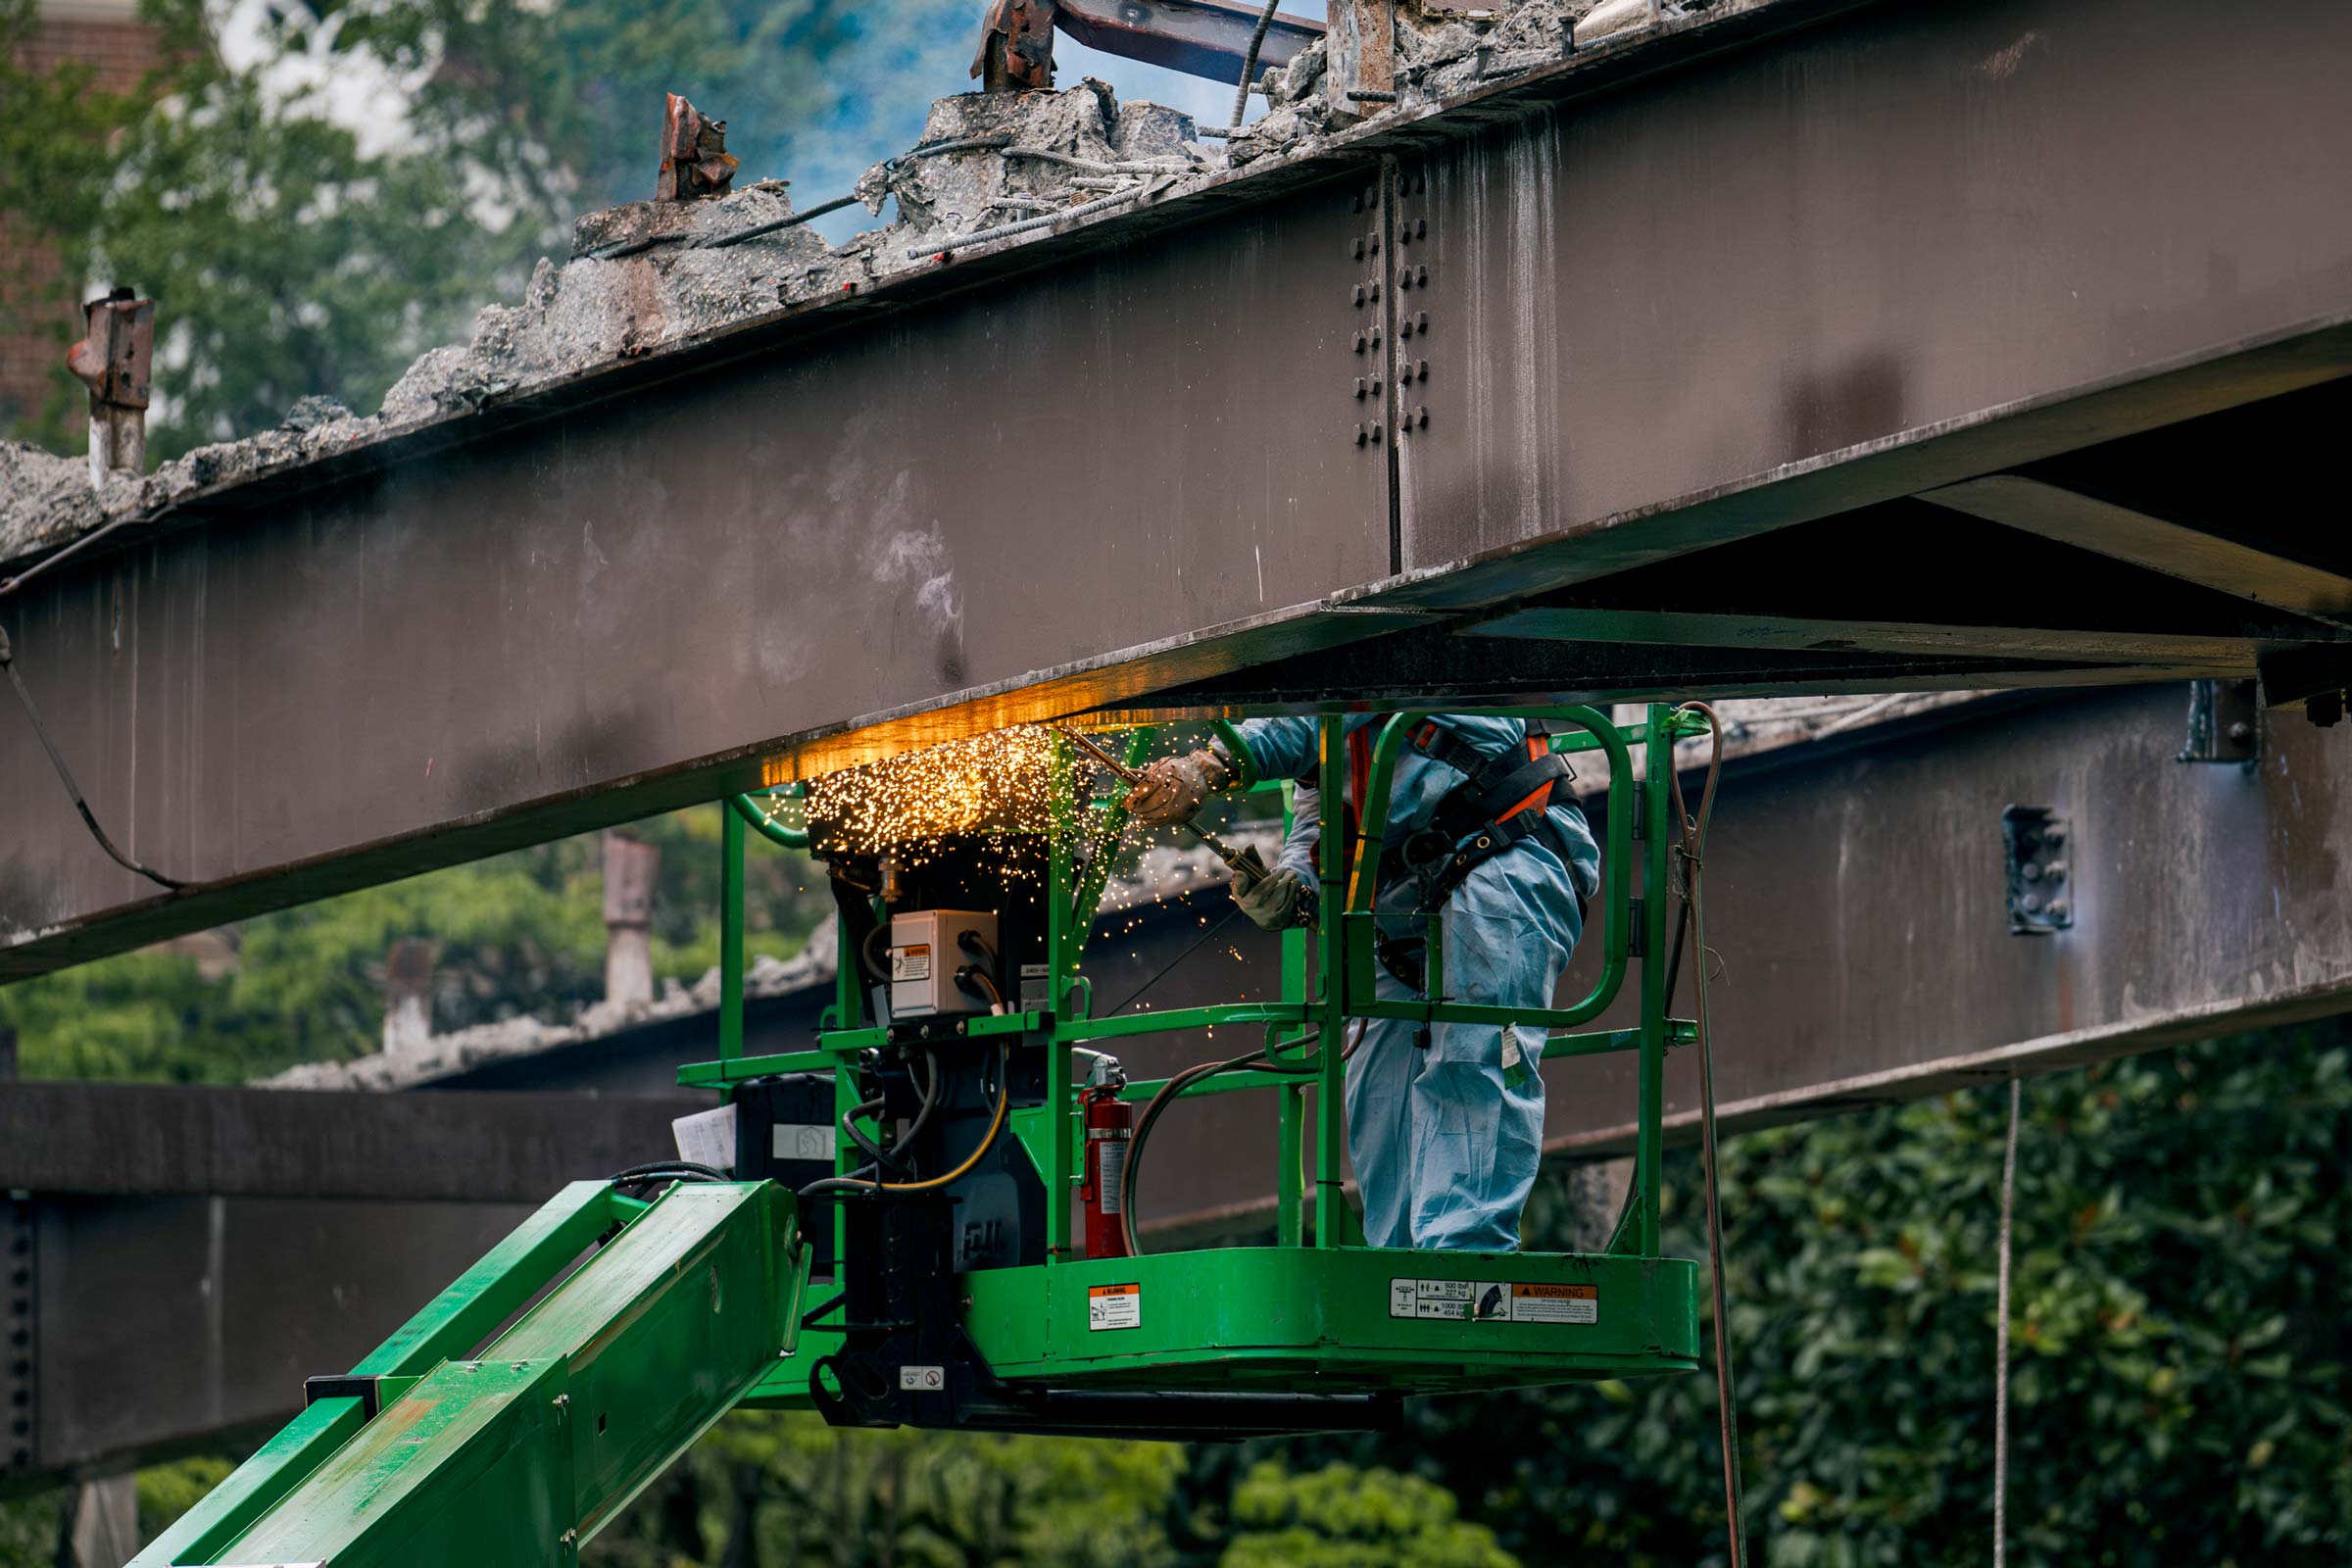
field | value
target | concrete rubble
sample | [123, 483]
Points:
[649, 276]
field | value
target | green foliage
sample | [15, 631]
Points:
[2180, 1386]
[766, 1488]
[1342, 1517]
[168, 1490]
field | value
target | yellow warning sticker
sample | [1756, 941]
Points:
[1114, 1306]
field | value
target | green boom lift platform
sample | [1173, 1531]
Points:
[935, 1282]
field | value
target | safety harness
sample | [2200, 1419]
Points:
[1504, 798]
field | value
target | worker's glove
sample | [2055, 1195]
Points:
[1172, 789]
[1277, 901]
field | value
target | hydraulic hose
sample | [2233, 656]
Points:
[1169, 1092]
[836, 1184]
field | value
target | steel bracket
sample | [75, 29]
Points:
[2224, 723]
[2036, 841]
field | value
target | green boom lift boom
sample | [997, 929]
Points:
[957, 1299]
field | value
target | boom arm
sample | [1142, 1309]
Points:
[431, 1451]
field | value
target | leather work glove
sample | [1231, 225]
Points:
[1173, 788]
[1277, 901]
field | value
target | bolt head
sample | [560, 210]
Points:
[1357, 250]
[1359, 295]
[1361, 435]
[1376, 432]
[2054, 835]
[2030, 871]
[1376, 386]
[1376, 337]
[1421, 368]
[1421, 417]
[1420, 228]
[1404, 277]
[1421, 276]
[1376, 290]
[1404, 328]
[2030, 904]
[2058, 909]
[1421, 323]
[1359, 342]
[1360, 387]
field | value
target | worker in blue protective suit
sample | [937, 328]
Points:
[1445, 1124]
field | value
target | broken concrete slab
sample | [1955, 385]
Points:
[649, 276]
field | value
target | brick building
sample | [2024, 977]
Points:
[107, 37]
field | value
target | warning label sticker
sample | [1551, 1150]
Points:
[1555, 1304]
[1495, 1300]
[1114, 1306]
[910, 963]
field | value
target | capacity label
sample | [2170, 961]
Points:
[1493, 1301]
[1114, 1306]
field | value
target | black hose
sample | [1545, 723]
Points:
[861, 1182]
[665, 1170]
[1167, 1094]
[874, 1152]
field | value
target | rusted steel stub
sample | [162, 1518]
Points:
[115, 361]
[1016, 47]
[695, 161]
[1362, 40]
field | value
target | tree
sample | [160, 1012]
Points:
[290, 256]
[1341, 1517]
[2180, 1382]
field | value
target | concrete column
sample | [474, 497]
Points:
[1596, 1189]
[409, 993]
[632, 868]
[106, 1524]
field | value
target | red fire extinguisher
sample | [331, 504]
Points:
[1110, 1123]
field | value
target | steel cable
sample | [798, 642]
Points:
[1690, 847]
[65, 776]
[2001, 1334]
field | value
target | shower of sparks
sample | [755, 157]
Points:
[994, 785]
[997, 786]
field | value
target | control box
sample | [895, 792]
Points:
[928, 949]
